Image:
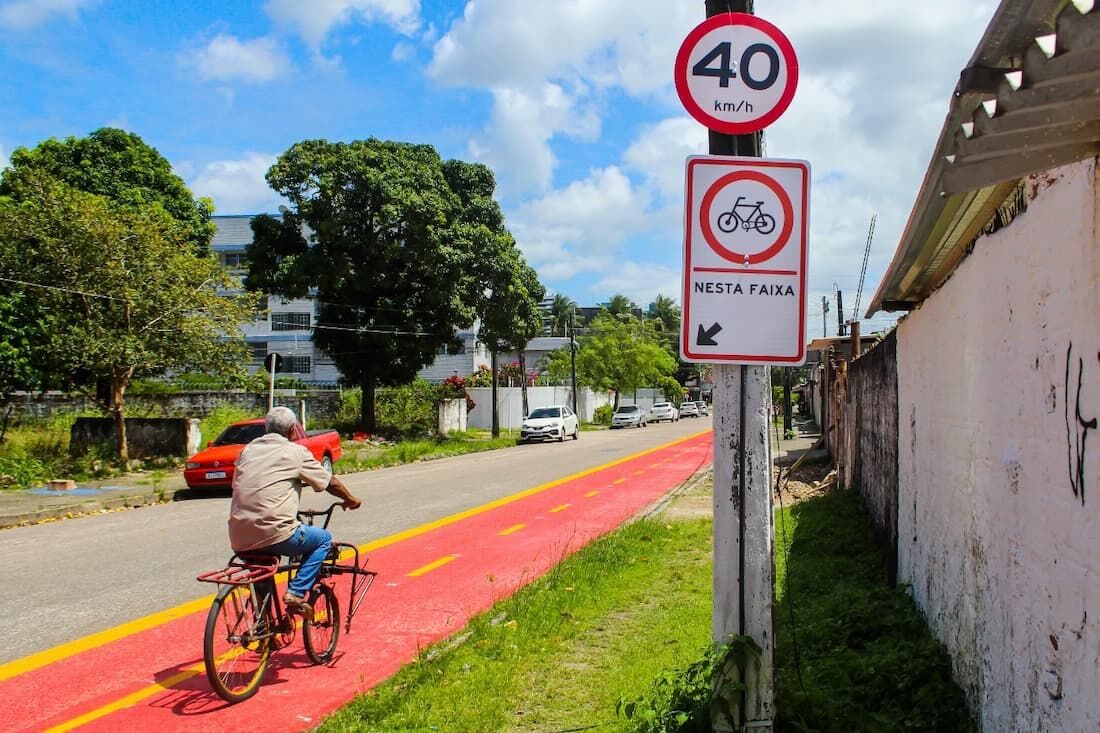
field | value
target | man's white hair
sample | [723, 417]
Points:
[279, 420]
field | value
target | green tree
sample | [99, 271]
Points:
[400, 247]
[121, 288]
[562, 311]
[121, 167]
[621, 306]
[24, 345]
[665, 318]
[619, 353]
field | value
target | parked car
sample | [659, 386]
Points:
[548, 423]
[664, 411]
[689, 409]
[703, 409]
[212, 468]
[628, 416]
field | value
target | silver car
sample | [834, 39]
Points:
[628, 416]
[703, 409]
[689, 409]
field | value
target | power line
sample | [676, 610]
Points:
[61, 289]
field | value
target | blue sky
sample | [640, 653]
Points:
[571, 102]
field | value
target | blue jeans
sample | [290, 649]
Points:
[313, 544]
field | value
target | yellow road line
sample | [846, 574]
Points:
[619, 481]
[86, 643]
[655, 465]
[590, 494]
[560, 508]
[513, 529]
[432, 566]
[639, 473]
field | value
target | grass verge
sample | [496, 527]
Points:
[852, 654]
[359, 457]
[628, 618]
[560, 652]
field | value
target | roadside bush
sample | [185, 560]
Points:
[602, 415]
[407, 410]
[219, 419]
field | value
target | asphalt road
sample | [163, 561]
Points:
[72, 578]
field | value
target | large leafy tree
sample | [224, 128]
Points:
[621, 306]
[398, 249]
[120, 286]
[121, 167]
[619, 353]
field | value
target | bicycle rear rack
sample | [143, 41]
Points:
[243, 570]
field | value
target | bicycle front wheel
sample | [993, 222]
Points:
[321, 634]
[236, 645]
[727, 222]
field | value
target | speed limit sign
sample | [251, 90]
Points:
[736, 73]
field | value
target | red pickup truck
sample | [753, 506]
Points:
[212, 468]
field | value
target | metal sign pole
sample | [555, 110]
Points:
[743, 562]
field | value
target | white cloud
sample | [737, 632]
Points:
[237, 186]
[580, 227]
[314, 20]
[227, 58]
[659, 153]
[516, 141]
[23, 14]
[641, 282]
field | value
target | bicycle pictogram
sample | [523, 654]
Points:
[747, 216]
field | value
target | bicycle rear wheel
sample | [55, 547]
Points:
[321, 634]
[237, 642]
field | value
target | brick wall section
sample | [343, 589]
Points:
[145, 437]
[871, 440]
[999, 477]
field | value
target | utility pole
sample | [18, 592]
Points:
[573, 357]
[824, 314]
[496, 407]
[744, 595]
[840, 330]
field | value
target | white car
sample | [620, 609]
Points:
[664, 411]
[689, 409]
[703, 409]
[628, 416]
[550, 423]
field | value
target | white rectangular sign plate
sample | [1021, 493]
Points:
[745, 235]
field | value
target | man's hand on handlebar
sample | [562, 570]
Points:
[337, 488]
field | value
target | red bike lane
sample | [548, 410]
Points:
[431, 581]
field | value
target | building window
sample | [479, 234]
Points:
[296, 365]
[290, 321]
[259, 351]
[235, 261]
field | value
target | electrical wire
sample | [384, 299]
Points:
[61, 289]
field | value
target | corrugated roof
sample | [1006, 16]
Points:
[1028, 101]
[233, 231]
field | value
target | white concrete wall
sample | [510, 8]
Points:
[510, 401]
[998, 543]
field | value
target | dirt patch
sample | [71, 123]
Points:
[804, 482]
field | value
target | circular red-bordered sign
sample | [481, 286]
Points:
[736, 73]
[770, 249]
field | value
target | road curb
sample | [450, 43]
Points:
[87, 508]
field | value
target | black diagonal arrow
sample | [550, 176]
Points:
[706, 336]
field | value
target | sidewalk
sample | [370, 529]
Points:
[31, 506]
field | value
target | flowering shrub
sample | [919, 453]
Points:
[454, 387]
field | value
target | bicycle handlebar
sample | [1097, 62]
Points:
[309, 515]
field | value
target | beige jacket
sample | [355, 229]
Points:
[267, 486]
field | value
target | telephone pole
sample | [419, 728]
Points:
[824, 314]
[744, 595]
[839, 313]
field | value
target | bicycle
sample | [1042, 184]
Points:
[247, 620]
[756, 218]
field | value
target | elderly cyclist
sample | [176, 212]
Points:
[263, 514]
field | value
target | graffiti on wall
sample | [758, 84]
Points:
[1077, 426]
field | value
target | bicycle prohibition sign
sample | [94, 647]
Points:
[743, 222]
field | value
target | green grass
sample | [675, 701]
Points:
[561, 652]
[628, 619]
[852, 654]
[362, 457]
